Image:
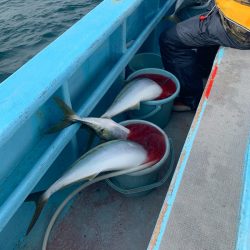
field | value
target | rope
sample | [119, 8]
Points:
[149, 186]
[75, 192]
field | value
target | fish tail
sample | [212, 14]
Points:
[69, 116]
[34, 196]
[64, 107]
[59, 126]
[40, 203]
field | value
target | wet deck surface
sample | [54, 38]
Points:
[101, 218]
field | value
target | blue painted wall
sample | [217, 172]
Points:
[85, 67]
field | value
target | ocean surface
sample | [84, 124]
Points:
[27, 26]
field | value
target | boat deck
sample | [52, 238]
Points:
[202, 208]
[202, 211]
[102, 218]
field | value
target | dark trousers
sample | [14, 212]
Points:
[188, 50]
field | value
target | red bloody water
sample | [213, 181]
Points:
[167, 85]
[150, 138]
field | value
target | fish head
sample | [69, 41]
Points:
[118, 131]
[110, 130]
[106, 128]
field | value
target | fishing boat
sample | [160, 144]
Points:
[206, 203]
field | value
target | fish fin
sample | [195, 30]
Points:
[136, 106]
[90, 178]
[34, 196]
[64, 107]
[59, 126]
[68, 117]
[40, 203]
[106, 115]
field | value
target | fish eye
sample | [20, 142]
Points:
[103, 132]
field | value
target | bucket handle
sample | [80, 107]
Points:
[151, 113]
[150, 186]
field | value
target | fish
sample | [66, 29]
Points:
[114, 155]
[132, 94]
[105, 128]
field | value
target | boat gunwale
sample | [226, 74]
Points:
[17, 196]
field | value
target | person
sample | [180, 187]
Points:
[188, 48]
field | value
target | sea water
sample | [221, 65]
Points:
[27, 26]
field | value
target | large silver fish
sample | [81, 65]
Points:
[105, 128]
[110, 156]
[136, 91]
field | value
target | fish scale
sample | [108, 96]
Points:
[136, 91]
[114, 155]
[105, 128]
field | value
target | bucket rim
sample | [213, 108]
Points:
[147, 53]
[132, 63]
[164, 157]
[159, 72]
